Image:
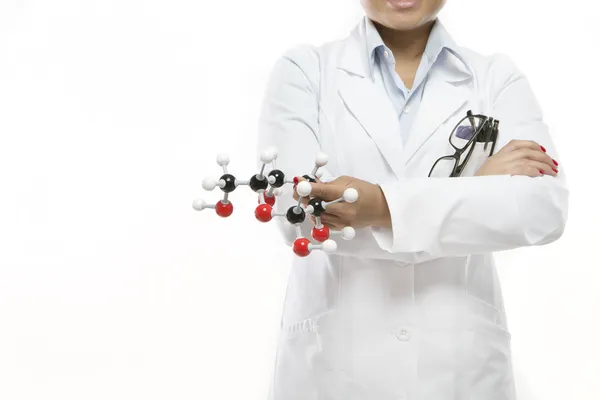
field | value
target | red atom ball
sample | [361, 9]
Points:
[320, 235]
[263, 213]
[301, 247]
[224, 209]
[270, 200]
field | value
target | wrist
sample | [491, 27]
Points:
[383, 218]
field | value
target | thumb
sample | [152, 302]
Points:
[324, 191]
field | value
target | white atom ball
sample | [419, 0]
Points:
[267, 156]
[199, 204]
[209, 184]
[329, 246]
[348, 233]
[321, 159]
[223, 159]
[273, 150]
[304, 188]
[350, 195]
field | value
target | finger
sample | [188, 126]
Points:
[297, 179]
[525, 169]
[534, 155]
[336, 209]
[333, 227]
[543, 168]
[326, 191]
[304, 201]
[522, 144]
[331, 219]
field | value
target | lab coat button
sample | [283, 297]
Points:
[386, 53]
[403, 335]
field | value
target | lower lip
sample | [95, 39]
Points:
[402, 4]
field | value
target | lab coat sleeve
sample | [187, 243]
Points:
[289, 120]
[446, 217]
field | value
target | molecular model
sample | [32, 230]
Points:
[268, 187]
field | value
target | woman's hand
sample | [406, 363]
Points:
[520, 157]
[369, 210]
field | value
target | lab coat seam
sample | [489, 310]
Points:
[314, 88]
[513, 75]
[304, 75]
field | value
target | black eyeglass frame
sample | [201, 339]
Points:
[489, 129]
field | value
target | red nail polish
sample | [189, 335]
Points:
[543, 149]
[555, 163]
[555, 170]
[541, 172]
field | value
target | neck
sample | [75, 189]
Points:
[406, 45]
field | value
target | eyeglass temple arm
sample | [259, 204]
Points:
[494, 136]
[471, 120]
[458, 168]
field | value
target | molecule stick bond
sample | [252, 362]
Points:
[268, 187]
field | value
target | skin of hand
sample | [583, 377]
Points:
[370, 209]
[520, 157]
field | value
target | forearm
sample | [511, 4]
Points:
[452, 217]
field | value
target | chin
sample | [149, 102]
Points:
[403, 22]
[403, 15]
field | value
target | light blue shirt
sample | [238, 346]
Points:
[382, 61]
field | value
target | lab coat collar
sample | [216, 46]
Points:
[358, 55]
[446, 91]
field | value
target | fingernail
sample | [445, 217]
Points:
[555, 163]
[543, 149]
[541, 172]
[555, 170]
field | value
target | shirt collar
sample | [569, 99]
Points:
[439, 40]
[374, 42]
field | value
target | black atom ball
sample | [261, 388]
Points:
[310, 179]
[229, 183]
[294, 218]
[317, 205]
[258, 184]
[279, 178]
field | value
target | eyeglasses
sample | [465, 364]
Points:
[472, 129]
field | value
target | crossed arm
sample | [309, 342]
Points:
[518, 198]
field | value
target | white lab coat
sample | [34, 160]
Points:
[414, 312]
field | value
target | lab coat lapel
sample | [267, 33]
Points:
[369, 104]
[446, 91]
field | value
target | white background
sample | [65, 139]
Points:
[112, 112]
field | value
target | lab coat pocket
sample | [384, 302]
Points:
[488, 367]
[308, 364]
[443, 166]
[478, 157]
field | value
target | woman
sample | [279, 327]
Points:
[411, 308]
